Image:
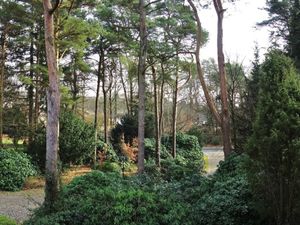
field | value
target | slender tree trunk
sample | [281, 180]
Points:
[53, 108]
[161, 108]
[37, 79]
[110, 108]
[124, 87]
[157, 131]
[115, 104]
[141, 94]
[131, 96]
[2, 71]
[225, 122]
[83, 99]
[105, 91]
[30, 92]
[174, 114]
[101, 58]
[75, 89]
[105, 116]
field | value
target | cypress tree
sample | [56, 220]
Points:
[274, 144]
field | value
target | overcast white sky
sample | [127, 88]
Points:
[240, 30]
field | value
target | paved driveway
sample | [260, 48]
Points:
[215, 155]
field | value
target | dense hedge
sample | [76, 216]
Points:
[15, 167]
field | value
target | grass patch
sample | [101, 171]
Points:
[7, 221]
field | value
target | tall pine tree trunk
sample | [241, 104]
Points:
[30, 92]
[2, 74]
[124, 87]
[225, 122]
[157, 130]
[174, 115]
[141, 92]
[53, 107]
[101, 56]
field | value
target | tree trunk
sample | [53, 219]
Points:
[161, 108]
[225, 122]
[174, 114]
[30, 93]
[131, 96]
[101, 56]
[141, 92]
[210, 102]
[110, 109]
[37, 78]
[157, 131]
[2, 71]
[53, 107]
[124, 87]
[105, 91]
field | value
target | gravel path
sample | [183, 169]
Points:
[19, 205]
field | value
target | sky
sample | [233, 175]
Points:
[240, 31]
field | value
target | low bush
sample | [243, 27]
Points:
[190, 199]
[150, 152]
[197, 132]
[229, 199]
[108, 199]
[189, 153]
[7, 221]
[15, 167]
[110, 167]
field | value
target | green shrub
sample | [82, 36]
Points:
[15, 167]
[150, 152]
[188, 149]
[110, 167]
[7, 221]
[228, 202]
[228, 198]
[103, 197]
[197, 132]
[76, 141]
[108, 199]
[110, 154]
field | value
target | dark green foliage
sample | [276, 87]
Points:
[110, 154]
[75, 143]
[274, 145]
[228, 199]
[188, 150]
[129, 127]
[76, 140]
[246, 113]
[284, 20]
[7, 221]
[197, 132]
[99, 198]
[15, 167]
[15, 123]
[107, 198]
[150, 150]
[110, 167]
